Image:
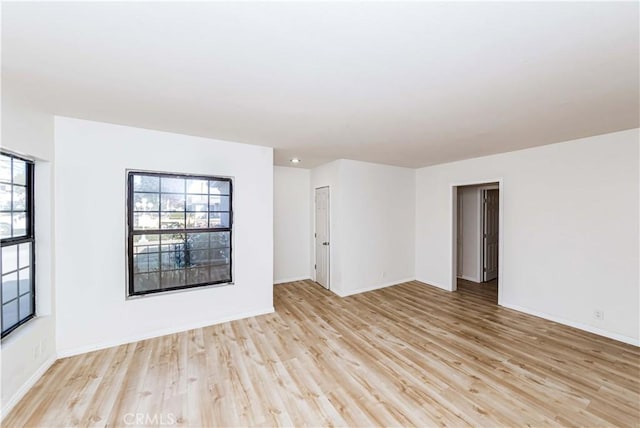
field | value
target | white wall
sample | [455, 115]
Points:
[291, 224]
[469, 209]
[378, 226]
[91, 159]
[29, 350]
[372, 210]
[570, 229]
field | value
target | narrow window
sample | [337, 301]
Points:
[17, 293]
[179, 231]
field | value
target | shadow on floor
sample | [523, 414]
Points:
[485, 290]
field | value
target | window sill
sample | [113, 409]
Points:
[181, 290]
[25, 329]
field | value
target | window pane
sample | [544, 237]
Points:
[141, 263]
[145, 240]
[219, 203]
[5, 225]
[25, 306]
[19, 172]
[199, 258]
[199, 241]
[142, 221]
[173, 202]
[209, 249]
[220, 240]
[172, 278]
[172, 220]
[221, 273]
[167, 259]
[205, 240]
[218, 220]
[173, 185]
[5, 197]
[195, 220]
[146, 243]
[154, 262]
[181, 257]
[25, 254]
[145, 183]
[145, 202]
[19, 224]
[9, 286]
[169, 240]
[198, 275]
[24, 279]
[198, 186]
[19, 198]
[9, 258]
[219, 187]
[172, 252]
[146, 282]
[220, 256]
[5, 168]
[9, 315]
[146, 249]
[197, 203]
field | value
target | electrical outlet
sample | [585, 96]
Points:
[598, 314]
[384, 274]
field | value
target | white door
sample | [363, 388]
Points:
[322, 236]
[459, 233]
[490, 233]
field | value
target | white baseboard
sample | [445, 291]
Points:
[20, 393]
[468, 278]
[282, 281]
[434, 284]
[375, 287]
[578, 325]
[162, 332]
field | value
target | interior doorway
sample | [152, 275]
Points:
[476, 237]
[322, 234]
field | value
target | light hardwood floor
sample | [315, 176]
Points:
[408, 355]
[486, 290]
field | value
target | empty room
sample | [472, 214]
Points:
[354, 214]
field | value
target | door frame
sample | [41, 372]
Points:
[453, 231]
[314, 237]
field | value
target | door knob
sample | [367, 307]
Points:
[325, 243]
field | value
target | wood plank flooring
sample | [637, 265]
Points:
[486, 290]
[408, 355]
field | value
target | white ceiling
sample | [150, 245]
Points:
[408, 84]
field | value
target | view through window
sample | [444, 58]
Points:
[17, 293]
[179, 231]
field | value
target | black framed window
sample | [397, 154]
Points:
[179, 231]
[17, 264]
